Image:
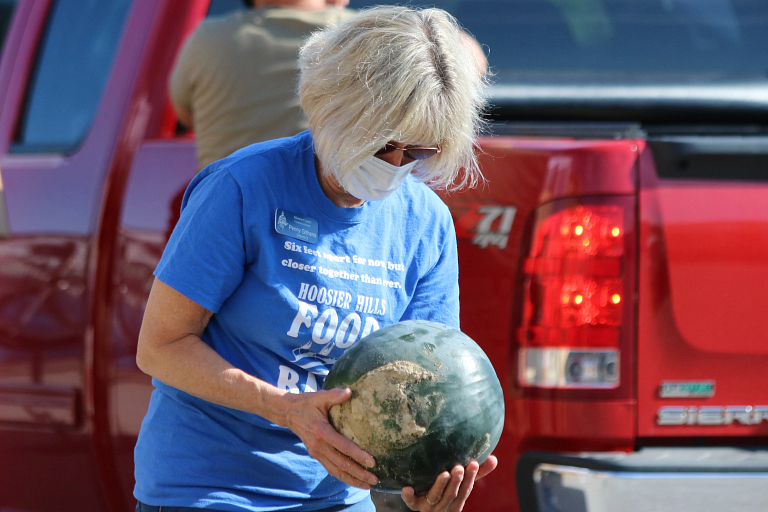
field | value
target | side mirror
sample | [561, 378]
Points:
[5, 226]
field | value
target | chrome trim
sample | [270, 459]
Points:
[712, 415]
[572, 489]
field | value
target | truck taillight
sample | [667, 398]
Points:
[576, 294]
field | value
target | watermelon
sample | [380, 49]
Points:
[424, 398]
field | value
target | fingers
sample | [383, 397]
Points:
[347, 470]
[335, 452]
[342, 444]
[465, 488]
[341, 457]
[409, 498]
[433, 497]
[345, 447]
[486, 467]
[438, 491]
[334, 396]
[309, 420]
[450, 490]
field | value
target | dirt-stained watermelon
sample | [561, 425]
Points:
[425, 397]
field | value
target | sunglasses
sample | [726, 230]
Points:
[411, 152]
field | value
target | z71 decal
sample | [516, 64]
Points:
[484, 225]
[485, 234]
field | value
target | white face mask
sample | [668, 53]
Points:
[375, 179]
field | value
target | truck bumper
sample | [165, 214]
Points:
[650, 480]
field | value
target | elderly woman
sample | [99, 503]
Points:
[290, 251]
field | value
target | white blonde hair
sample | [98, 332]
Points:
[394, 73]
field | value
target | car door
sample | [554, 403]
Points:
[65, 81]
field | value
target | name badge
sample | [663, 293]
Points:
[297, 226]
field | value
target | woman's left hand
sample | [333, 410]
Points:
[451, 490]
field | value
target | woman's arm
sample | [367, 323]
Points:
[171, 350]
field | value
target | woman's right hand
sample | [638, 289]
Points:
[306, 415]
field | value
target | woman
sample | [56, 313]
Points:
[287, 253]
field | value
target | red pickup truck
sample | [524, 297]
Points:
[614, 267]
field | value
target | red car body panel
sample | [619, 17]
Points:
[702, 297]
[522, 174]
[161, 171]
[57, 440]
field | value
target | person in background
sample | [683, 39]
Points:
[266, 280]
[235, 79]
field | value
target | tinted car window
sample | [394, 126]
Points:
[627, 40]
[615, 36]
[6, 10]
[219, 7]
[73, 63]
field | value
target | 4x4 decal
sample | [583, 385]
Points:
[484, 225]
[485, 234]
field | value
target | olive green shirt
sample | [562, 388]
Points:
[238, 76]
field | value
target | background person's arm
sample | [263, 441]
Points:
[180, 83]
[184, 117]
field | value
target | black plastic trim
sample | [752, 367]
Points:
[682, 102]
[730, 158]
[568, 129]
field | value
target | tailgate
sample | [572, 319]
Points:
[703, 287]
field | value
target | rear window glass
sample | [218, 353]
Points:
[6, 10]
[621, 36]
[615, 37]
[73, 63]
[625, 39]
[219, 7]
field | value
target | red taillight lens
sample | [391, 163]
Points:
[576, 284]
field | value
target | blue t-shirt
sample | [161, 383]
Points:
[285, 309]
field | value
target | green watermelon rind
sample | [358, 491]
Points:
[470, 387]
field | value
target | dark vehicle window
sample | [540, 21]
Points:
[219, 7]
[615, 37]
[6, 10]
[624, 39]
[73, 63]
